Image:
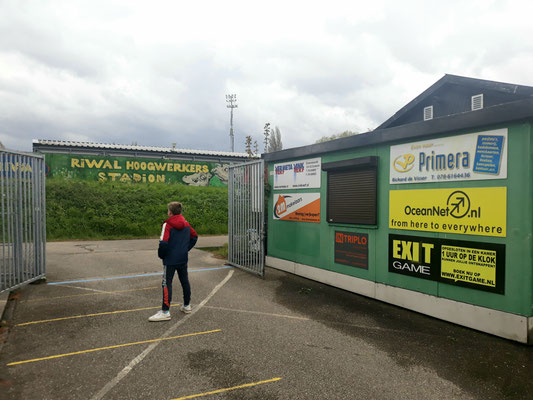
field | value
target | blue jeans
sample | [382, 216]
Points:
[168, 276]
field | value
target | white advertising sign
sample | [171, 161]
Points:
[475, 156]
[302, 174]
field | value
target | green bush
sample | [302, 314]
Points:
[107, 210]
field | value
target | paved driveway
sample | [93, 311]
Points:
[85, 335]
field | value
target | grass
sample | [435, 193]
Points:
[219, 252]
[106, 210]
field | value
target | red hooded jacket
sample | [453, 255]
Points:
[177, 238]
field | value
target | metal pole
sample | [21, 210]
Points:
[230, 213]
[231, 99]
[232, 138]
[9, 241]
[261, 221]
[42, 212]
[3, 267]
[28, 264]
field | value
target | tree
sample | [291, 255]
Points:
[275, 143]
[251, 148]
[337, 136]
[248, 146]
[266, 134]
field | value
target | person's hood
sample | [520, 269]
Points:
[176, 221]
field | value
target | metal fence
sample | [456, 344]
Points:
[23, 207]
[246, 248]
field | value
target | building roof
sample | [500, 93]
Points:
[90, 147]
[521, 110]
[452, 95]
[507, 103]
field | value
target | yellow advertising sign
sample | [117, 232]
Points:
[477, 266]
[465, 211]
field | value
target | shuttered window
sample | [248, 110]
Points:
[352, 191]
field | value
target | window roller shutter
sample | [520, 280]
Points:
[352, 196]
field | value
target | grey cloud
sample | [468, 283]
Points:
[85, 70]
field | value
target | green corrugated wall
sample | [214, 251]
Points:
[313, 243]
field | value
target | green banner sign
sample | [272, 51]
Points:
[136, 170]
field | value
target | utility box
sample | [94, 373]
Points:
[430, 214]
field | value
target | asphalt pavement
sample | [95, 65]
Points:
[84, 334]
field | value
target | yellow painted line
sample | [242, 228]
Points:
[259, 313]
[91, 315]
[227, 389]
[90, 294]
[303, 318]
[110, 347]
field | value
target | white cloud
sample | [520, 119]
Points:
[157, 73]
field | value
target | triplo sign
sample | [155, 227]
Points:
[351, 249]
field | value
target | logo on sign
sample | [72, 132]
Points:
[412, 256]
[460, 204]
[415, 256]
[299, 167]
[457, 206]
[281, 206]
[351, 239]
[404, 162]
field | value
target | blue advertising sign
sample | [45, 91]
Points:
[488, 154]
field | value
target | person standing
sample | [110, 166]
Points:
[177, 238]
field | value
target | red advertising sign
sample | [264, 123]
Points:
[351, 249]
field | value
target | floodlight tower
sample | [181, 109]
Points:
[231, 99]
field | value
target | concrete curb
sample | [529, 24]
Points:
[211, 241]
[3, 302]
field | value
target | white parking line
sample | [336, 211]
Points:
[126, 370]
[129, 276]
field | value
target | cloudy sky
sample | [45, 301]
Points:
[157, 72]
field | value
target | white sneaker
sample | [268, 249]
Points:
[186, 309]
[160, 316]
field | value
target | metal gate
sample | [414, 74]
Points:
[23, 232]
[246, 248]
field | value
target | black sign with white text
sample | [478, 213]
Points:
[351, 249]
[475, 265]
[414, 256]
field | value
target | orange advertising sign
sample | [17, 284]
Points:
[302, 207]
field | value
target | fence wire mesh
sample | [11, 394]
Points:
[23, 208]
[246, 217]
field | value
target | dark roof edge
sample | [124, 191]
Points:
[155, 151]
[508, 112]
[458, 80]
[445, 79]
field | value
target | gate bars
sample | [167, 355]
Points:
[246, 248]
[23, 208]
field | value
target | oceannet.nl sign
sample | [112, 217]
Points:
[475, 156]
[464, 211]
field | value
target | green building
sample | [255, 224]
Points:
[432, 211]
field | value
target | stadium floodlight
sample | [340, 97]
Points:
[231, 99]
